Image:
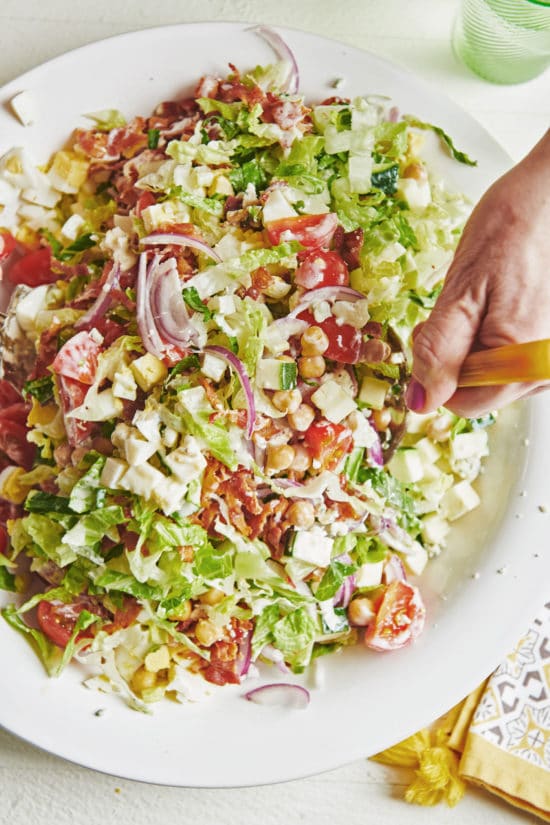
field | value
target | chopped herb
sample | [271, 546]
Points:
[153, 136]
[194, 301]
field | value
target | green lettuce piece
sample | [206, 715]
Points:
[229, 111]
[462, 157]
[85, 536]
[391, 139]
[294, 635]
[40, 502]
[48, 537]
[126, 583]
[333, 579]
[107, 119]
[213, 206]
[7, 579]
[214, 563]
[50, 655]
[87, 494]
[214, 435]
[264, 629]
[369, 550]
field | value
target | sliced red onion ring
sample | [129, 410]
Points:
[375, 450]
[272, 654]
[103, 300]
[280, 694]
[326, 293]
[168, 307]
[146, 324]
[344, 594]
[166, 238]
[244, 654]
[236, 364]
[284, 53]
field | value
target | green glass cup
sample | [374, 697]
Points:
[504, 41]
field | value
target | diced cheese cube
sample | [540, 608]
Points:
[187, 462]
[369, 575]
[435, 529]
[158, 659]
[313, 547]
[170, 494]
[221, 186]
[148, 423]
[29, 305]
[356, 314]
[224, 304]
[373, 392]
[117, 244]
[277, 207]
[336, 141]
[213, 367]
[159, 214]
[417, 193]
[71, 226]
[137, 450]
[194, 399]
[68, 171]
[429, 451]
[124, 384]
[143, 480]
[112, 472]
[170, 437]
[363, 434]
[333, 401]
[416, 561]
[201, 176]
[469, 445]
[360, 172]
[417, 423]
[98, 406]
[459, 500]
[148, 371]
[24, 107]
[406, 465]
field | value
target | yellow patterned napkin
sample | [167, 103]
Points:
[498, 737]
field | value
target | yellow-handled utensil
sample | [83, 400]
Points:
[510, 364]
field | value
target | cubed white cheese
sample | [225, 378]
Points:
[124, 385]
[143, 480]
[187, 462]
[406, 465]
[98, 406]
[270, 373]
[429, 451]
[356, 314]
[148, 423]
[170, 437]
[213, 367]
[194, 399]
[373, 392]
[336, 141]
[459, 500]
[137, 450]
[417, 193]
[201, 176]
[363, 434]
[112, 472]
[148, 371]
[158, 659]
[417, 423]
[28, 307]
[170, 494]
[71, 226]
[469, 445]
[369, 575]
[435, 529]
[116, 244]
[333, 401]
[24, 107]
[160, 214]
[312, 546]
[277, 207]
[224, 304]
[360, 172]
[415, 561]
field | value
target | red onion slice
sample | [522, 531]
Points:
[326, 293]
[103, 300]
[284, 53]
[168, 307]
[167, 238]
[394, 570]
[280, 695]
[145, 321]
[244, 655]
[237, 365]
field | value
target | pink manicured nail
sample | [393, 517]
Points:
[416, 396]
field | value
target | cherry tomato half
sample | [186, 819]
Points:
[33, 269]
[77, 359]
[72, 393]
[321, 268]
[399, 619]
[57, 620]
[327, 443]
[312, 231]
[7, 245]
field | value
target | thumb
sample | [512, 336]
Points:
[442, 342]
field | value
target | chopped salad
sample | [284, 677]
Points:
[206, 461]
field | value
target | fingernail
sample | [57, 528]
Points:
[416, 396]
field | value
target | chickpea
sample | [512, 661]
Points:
[360, 611]
[143, 680]
[314, 341]
[301, 514]
[416, 171]
[302, 459]
[207, 633]
[381, 419]
[212, 596]
[287, 401]
[312, 366]
[439, 428]
[279, 457]
[301, 418]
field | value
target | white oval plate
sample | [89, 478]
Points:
[368, 701]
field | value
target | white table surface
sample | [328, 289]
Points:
[39, 788]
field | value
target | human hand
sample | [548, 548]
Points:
[497, 291]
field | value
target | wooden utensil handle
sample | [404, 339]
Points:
[507, 365]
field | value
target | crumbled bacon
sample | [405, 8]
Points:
[349, 245]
